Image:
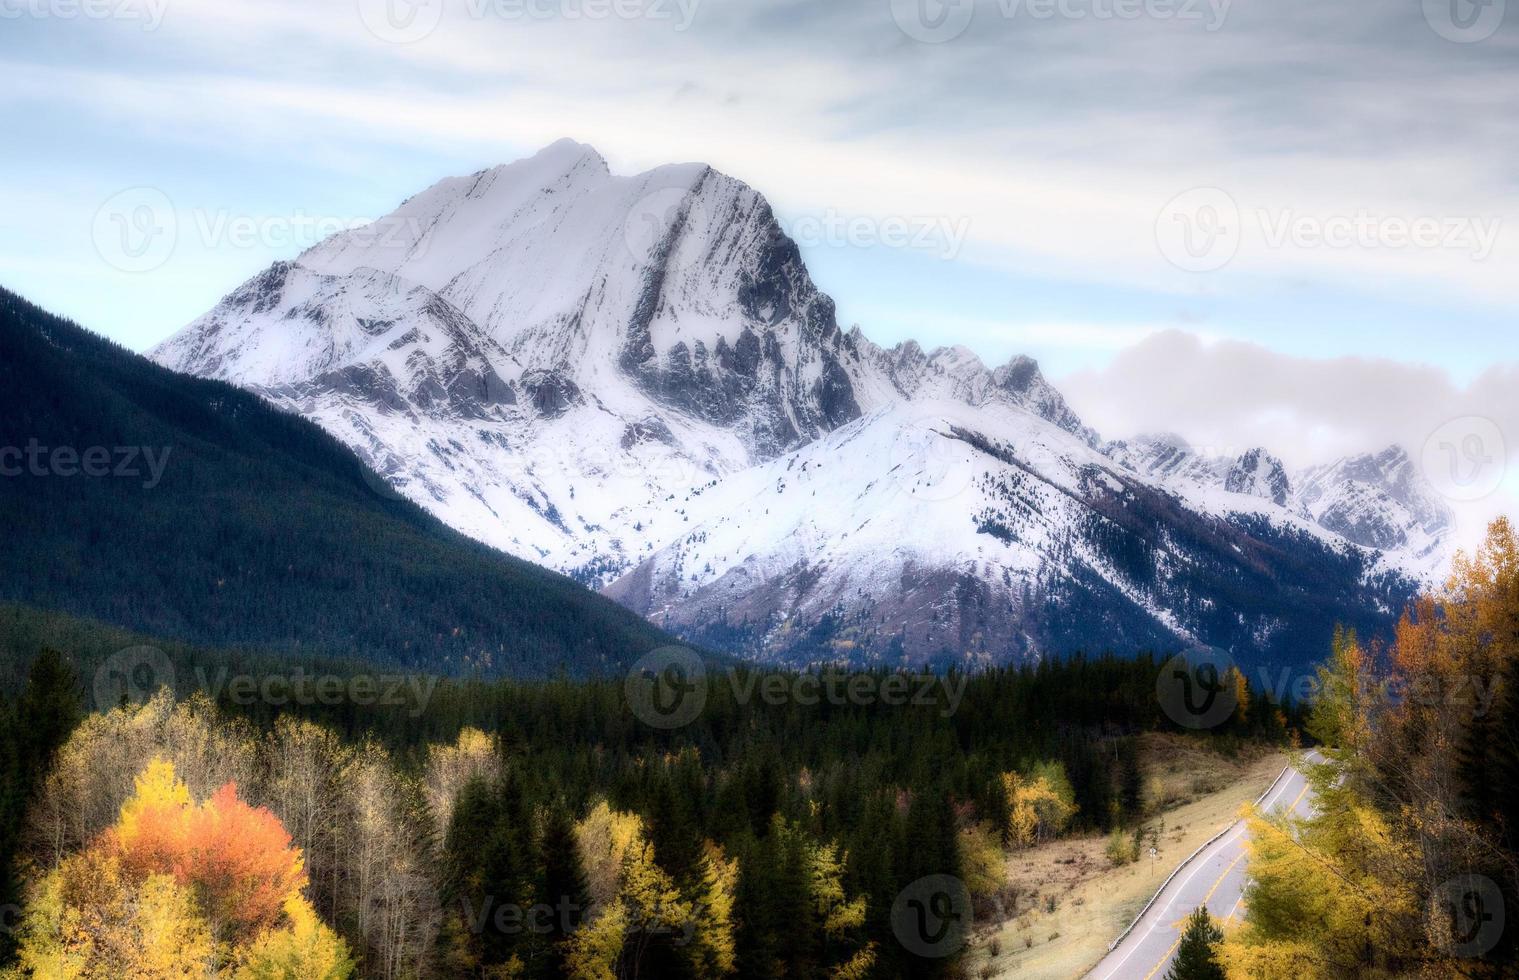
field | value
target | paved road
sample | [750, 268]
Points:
[1215, 878]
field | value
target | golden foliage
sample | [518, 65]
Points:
[1039, 804]
[176, 889]
[1399, 812]
[305, 949]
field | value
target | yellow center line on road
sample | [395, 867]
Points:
[1206, 898]
[1163, 959]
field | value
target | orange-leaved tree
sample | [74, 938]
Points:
[236, 858]
[226, 886]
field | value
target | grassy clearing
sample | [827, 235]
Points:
[1062, 927]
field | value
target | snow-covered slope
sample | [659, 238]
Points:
[1381, 501]
[634, 380]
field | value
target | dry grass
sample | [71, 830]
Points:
[1192, 794]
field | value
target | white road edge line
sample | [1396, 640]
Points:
[1172, 902]
[1192, 857]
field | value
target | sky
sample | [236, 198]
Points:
[1292, 223]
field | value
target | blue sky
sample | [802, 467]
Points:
[1046, 156]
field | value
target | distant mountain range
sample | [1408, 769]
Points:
[189, 509]
[634, 381]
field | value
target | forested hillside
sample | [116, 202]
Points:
[190, 509]
[547, 829]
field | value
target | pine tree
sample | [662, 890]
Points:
[1197, 955]
[565, 886]
[1504, 774]
[1131, 781]
[11, 811]
[48, 709]
[31, 731]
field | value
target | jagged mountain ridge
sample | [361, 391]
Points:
[610, 375]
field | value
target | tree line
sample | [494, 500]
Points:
[543, 830]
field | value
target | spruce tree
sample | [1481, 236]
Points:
[565, 886]
[1131, 781]
[11, 805]
[31, 731]
[1197, 955]
[467, 900]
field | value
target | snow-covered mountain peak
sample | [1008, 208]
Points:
[1381, 500]
[1257, 473]
[565, 155]
[679, 280]
[956, 373]
[634, 380]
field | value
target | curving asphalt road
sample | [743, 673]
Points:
[1214, 877]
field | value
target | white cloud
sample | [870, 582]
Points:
[1063, 139]
[1230, 395]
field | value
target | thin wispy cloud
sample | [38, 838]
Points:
[1353, 171]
